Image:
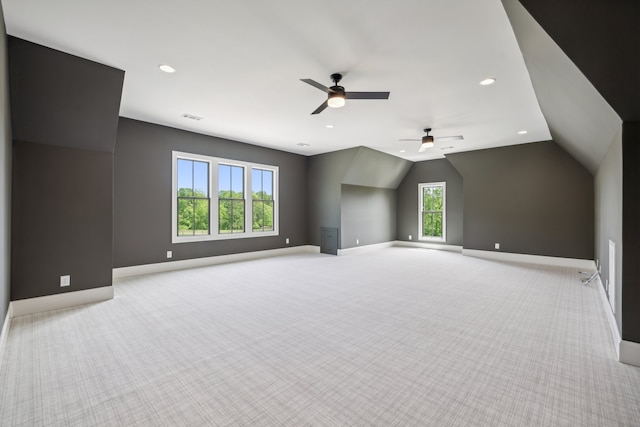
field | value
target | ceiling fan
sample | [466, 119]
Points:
[428, 141]
[336, 95]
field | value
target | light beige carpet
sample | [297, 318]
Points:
[395, 337]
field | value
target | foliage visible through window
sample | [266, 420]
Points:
[220, 199]
[230, 199]
[193, 197]
[432, 211]
[262, 195]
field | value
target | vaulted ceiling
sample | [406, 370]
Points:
[239, 66]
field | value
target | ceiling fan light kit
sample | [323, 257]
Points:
[336, 99]
[337, 96]
[427, 141]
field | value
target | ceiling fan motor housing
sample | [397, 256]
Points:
[427, 139]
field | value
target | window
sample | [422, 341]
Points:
[262, 195]
[245, 204]
[193, 197]
[432, 211]
[230, 199]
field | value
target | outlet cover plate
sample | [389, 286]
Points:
[65, 280]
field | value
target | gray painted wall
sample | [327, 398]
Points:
[423, 172]
[532, 199]
[61, 99]
[359, 166]
[608, 216]
[62, 213]
[5, 177]
[142, 194]
[371, 168]
[325, 175]
[606, 30]
[578, 117]
[631, 231]
[368, 215]
[64, 112]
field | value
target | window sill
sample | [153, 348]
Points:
[433, 239]
[218, 237]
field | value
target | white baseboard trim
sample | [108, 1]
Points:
[5, 332]
[161, 267]
[583, 264]
[365, 248]
[613, 325]
[425, 245]
[22, 307]
[630, 352]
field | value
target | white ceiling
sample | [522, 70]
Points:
[240, 63]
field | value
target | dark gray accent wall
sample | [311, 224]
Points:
[532, 199]
[368, 215]
[142, 194]
[325, 175]
[631, 231]
[608, 216]
[64, 113]
[62, 214]
[5, 177]
[407, 205]
[61, 99]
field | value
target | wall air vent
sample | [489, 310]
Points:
[191, 116]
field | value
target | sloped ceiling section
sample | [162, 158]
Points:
[371, 168]
[579, 118]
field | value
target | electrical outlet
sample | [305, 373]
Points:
[410, 237]
[169, 254]
[65, 280]
[286, 240]
[497, 245]
[357, 241]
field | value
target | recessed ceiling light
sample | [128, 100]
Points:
[487, 82]
[403, 151]
[167, 68]
[302, 144]
[522, 132]
[329, 126]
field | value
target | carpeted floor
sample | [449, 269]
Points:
[393, 337]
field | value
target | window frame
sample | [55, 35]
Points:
[421, 187]
[214, 233]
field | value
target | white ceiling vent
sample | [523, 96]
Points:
[191, 116]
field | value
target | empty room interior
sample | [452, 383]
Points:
[320, 213]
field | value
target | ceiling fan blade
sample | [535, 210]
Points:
[449, 138]
[422, 148]
[409, 140]
[367, 95]
[316, 85]
[321, 108]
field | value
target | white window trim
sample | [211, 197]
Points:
[213, 199]
[444, 211]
